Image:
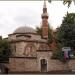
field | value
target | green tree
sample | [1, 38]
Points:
[68, 2]
[65, 2]
[66, 32]
[39, 30]
[4, 50]
[49, 34]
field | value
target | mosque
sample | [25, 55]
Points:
[31, 52]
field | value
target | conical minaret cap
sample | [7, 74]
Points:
[44, 14]
[44, 6]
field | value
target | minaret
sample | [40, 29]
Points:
[44, 21]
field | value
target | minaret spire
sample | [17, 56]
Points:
[44, 4]
[44, 7]
[44, 21]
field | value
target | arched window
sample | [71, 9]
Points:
[30, 50]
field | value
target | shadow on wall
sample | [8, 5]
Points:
[3, 69]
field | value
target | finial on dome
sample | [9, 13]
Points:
[44, 4]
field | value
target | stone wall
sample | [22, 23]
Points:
[43, 55]
[16, 64]
[72, 64]
[32, 64]
[56, 65]
[51, 63]
[22, 65]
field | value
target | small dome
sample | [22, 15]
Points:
[24, 29]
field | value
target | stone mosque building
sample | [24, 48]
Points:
[30, 51]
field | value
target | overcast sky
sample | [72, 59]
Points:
[14, 14]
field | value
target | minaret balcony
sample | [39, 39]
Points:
[44, 15]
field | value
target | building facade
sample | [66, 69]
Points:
[31, 52]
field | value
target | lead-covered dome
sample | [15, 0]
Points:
[24, 29]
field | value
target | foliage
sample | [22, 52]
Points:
[39, 31]
[49, 35]
[58, 55]
[4, 50]
[65, 36]
[66, 32]
[65, 2]
[68, 2]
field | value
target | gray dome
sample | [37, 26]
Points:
[24, 29]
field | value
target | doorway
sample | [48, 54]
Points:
[43, 65]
